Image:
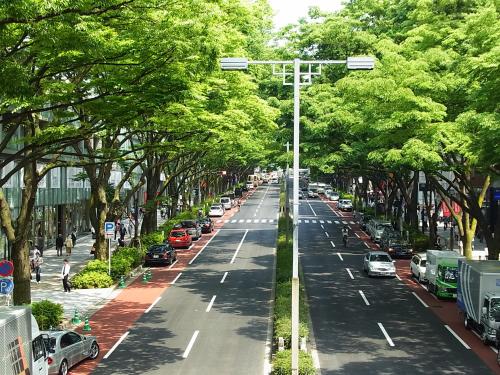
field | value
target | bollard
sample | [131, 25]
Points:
[76, 317]
[121, 284]
[303, 345]
[86, 326]
[281, 344]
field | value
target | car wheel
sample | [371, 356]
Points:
[63, 369]
[467, 322]
[484, 338]
[94, 350]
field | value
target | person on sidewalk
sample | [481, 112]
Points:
[59, 244]
[69, 245]
[36, 263]
[73, 237]
[65, 276]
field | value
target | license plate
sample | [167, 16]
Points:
[177, 240]
[156, 256]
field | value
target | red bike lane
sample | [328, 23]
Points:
[118, 315]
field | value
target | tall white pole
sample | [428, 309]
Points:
[295, 271]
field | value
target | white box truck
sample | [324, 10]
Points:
[22, 348]
[441, 272]
[478, 296]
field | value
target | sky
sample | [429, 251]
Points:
[289, 11]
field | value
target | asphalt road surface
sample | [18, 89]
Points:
[215, 319]
[368, 325]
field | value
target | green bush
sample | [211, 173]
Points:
[47, 314]
[420, 241]
[96, 265]
[282, 363]
[91, 279]
[120, 266]
[283, 328]
[152, 238]
[346, 196]
[133, 254]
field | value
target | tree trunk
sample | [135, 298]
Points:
[101, 208]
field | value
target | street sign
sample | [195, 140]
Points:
[6, 268]
[6, 286]
[109, 229]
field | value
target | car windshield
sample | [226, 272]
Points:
[177, 233]
[224, 200]
[380, 258]
[157, 249]
[215, 208]
[448, 274]
[189, 224]
[383, 226]
[495, 308]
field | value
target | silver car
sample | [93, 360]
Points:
[378, 263]
[67, 348]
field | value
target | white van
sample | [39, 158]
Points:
[22, 349]
[226, 203]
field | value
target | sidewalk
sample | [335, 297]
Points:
[87, 301]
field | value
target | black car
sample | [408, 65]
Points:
[207, 225]
[193, 228]
[160, 254]
[394, 245]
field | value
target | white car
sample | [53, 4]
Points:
[378, 263]
[274, 181]
[334, 196]
[312, 194]
[216, 210]
[226, 203]
[250, 185]
[417, 267]
[345, 205]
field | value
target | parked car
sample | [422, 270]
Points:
[226, 202]
[378, 263]
[249, 185]
[376, 227]
[334, 196]
[207, 225]
[417, 266]
[312, 194]
[160, 254]
[216, 210]
[193, 228]
[274, 181]
[179, 237]
[68, 348]
[345, 205]
[392, 242]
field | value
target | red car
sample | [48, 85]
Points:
[180, 238]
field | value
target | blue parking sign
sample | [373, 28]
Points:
[109, 229]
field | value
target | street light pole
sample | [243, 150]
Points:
[295, 239]
[354, 63]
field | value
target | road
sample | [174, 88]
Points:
[215, 318]
[368, 325]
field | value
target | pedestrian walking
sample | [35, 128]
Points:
[73, 237]
[36, 264]
[40, 243]
[65, 276]
[68, 244]
[445, 221]
[59, 244]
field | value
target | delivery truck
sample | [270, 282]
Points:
[478, 296]
[22, 348]
[441, 272]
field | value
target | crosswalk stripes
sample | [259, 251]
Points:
[234, 221]
[344, 222]
[219, 221]
[306, 221]
[271, 221]
[351, 222]
[322, 222]
[299, 221]
[337, 222]
[241, 221]
[226, 221]
[249, 220]
[263, 221]
[256, 221]
[329, 221]
[314, 221]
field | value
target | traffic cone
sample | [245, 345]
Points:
[149, 274]
[86, 326]
[76, 317]
[145, 278]
[121, 284]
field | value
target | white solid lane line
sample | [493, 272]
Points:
[223, 277]
[397, 277]
[116, 344]
[340, 256]
[494, 349]
[311, 208]
[203, 248]
[152, 305]
[457, 337]
[326, 234]
[387, 337]
[357, 235]
[190, 345]
[239, 246]
[350, 273]
[364, 298]
[420, 299]
[322, 226]
[210, 304]
[173, 264]
[333, 245]
[176, 278]
[366, 244]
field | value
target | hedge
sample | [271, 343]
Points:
[91, 280]
[152, 238]
[47, 314]
[282, 364]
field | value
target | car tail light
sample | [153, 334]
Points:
[49, 360]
